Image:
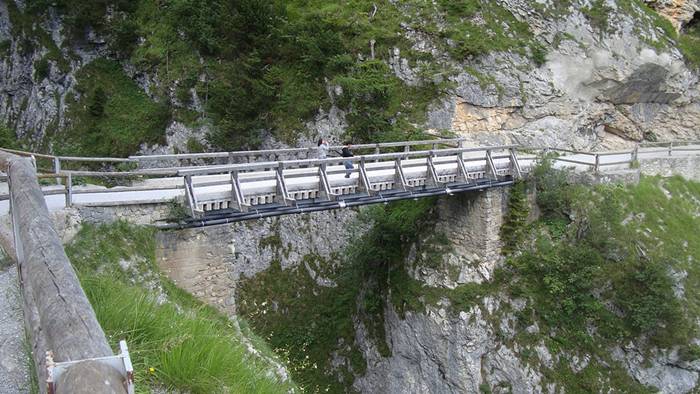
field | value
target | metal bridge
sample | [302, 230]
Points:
[224, 187]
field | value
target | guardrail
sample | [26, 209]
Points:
[634, 154]
[59, 318]
[274, 154]
[594, 160]
[316, 173]
[232, 156]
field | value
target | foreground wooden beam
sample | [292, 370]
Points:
[58, 315]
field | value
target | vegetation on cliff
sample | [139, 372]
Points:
[175, 342]
[313, 325]
[600, 267]
[605, 266]
[251, 65]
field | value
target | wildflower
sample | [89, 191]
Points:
[151, 370]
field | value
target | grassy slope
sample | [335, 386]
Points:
[609, 271]
[190, 346]
[113, 115]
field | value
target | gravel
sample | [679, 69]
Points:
[14, 362]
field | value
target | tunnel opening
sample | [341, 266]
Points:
[693, 26]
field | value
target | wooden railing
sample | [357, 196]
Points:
[68, 345]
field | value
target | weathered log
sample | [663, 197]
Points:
[58, 315]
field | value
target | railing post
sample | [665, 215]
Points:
[596, 168]
[237, 193]
[490, 165]
[407, 148]
[635, 155]
[69, 190]
[189, 195]
[282, 186]
[57, 168]
[399, 177]
[432, 172]
[670, 148]
[364, 179]
[324, 184]
[516, 172]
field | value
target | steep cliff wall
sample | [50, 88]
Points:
[575, 73]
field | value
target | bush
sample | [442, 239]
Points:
[98, 99]
[42, 68]
[515, 220]
[8, 139]
[552, 190]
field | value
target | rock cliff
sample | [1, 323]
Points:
[607, 73]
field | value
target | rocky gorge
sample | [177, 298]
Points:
[345, 303]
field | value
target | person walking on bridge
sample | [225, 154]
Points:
[347, 152]
[323, 148]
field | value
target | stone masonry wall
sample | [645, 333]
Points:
[208, 261]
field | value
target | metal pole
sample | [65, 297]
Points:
[69, 190]
[597, 163]
[57, 168]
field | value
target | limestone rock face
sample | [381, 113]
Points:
[679, 12]
[594, 90]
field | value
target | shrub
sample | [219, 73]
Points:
[8, 139]
[515, 219]
[97, 102]
[552, 190]
[42, 68]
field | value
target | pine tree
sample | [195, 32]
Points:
[514, 223]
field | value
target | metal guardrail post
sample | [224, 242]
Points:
[516, 172]
[364, 179]
[57, 168]
[399, 177]
[490, 165]
[282, 186]
[236, 192]
[69, 190]
[189, 195]
[434, 179]
[670, 148]
[596, 167]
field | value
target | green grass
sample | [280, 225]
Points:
[113, 116]
[189, 346]
[689, 43]
[266, 65]
[598, 14]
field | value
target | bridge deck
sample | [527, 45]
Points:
[240, 191]
[303, 185]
